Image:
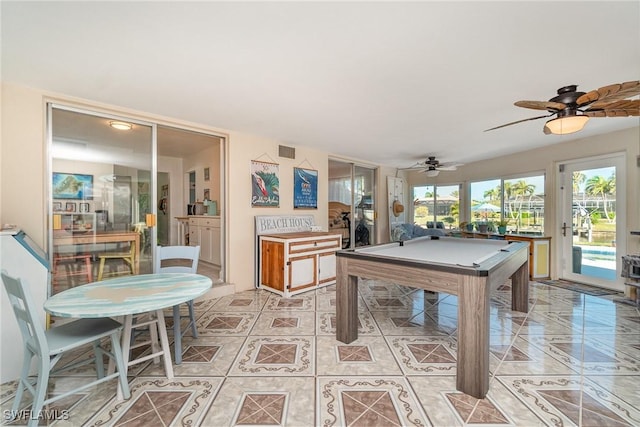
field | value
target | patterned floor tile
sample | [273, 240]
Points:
[279, 401]
[365, 356]
[476, 411]
[410, 323]
[285, 323]
[513, 358]
[226, 323]
[424, 355]
[586, 356]
[326, 324]
[301, 302]
[244, 301]
[571, 401]
[281, 356]
[368, 401]
[445, 406]
[204, 356]
[159, 401]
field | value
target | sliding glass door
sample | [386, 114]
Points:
[352, 204]
[102, 196]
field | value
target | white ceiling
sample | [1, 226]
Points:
[389, 83]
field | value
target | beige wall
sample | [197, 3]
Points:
[242, 149]
[23, 161]
[24, 165]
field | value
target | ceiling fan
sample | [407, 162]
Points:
[432, 167]
[573, 109]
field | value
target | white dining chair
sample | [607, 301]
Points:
[179, 259]
[48, 346]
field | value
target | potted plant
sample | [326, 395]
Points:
[483, 226]
[466, 226]
[502, 226]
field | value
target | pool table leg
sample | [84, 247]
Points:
[346, 303]
[520, 289]
[472, 375]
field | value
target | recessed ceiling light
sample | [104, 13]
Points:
[121, 125]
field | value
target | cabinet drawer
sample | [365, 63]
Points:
[209, 222]
[314, 245]
[204, 222]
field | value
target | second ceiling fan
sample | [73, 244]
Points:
[432, 167]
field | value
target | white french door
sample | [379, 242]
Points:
[592, 220]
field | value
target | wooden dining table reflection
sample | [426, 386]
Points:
[65, 237]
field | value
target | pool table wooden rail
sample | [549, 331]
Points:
[472, 285]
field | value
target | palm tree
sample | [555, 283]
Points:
[492, 194]
[578, 180]
[519, 190]
[600, 186]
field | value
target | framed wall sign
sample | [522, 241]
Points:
[305, 188]
[265, 183]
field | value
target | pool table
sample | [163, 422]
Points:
[468, 268]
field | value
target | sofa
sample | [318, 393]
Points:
[405, 231]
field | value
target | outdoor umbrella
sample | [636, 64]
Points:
[485, 208]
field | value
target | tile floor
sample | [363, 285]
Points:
[573, 360]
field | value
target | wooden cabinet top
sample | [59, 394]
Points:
[301, 235]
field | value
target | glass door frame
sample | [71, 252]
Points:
[564, 245]
[48, 194]
[358, 202]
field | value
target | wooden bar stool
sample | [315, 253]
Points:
[127, 257]
[69, 261]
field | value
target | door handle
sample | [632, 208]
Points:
[564, 229]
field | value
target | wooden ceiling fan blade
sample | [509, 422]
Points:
[520, 121]
[614, 92]
[632, 106]
[541, 105]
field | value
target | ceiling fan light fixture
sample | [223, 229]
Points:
[120, 125]
[432, 172]
[567, 124]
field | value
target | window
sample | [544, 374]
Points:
[436, 206]
[518, 201]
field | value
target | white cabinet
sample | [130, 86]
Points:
[205, 231]
[291, 263]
